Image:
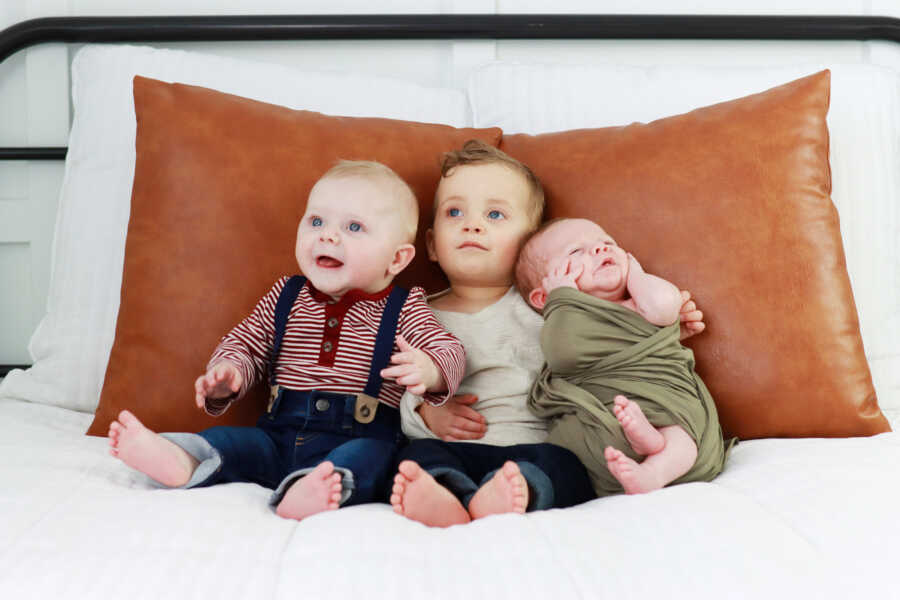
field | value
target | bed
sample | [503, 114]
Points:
[806, 507]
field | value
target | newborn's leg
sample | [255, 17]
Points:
[644, 438]
[317, 491]
[506, 491]
[658, 470]
[418, 496]
[149, 452]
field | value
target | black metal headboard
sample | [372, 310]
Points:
[421, 27]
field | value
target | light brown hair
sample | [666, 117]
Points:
[476, 152]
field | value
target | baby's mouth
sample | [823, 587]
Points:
[327, 262]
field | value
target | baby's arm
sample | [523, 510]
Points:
[652, 297]
[415, 370]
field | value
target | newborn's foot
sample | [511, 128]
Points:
[149, 452]
[418, 496]
[635, 478]
[644, 438]
[317, 491]
[507, 491]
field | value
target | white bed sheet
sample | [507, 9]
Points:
[806, 518]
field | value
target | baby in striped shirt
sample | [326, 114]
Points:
[338, 347]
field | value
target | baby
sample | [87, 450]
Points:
[619, 389]
[324, 343]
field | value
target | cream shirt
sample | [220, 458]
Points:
[503, 358]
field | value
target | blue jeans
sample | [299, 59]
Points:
[307, 429]
[555, 476]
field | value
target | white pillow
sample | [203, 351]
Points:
[71, 345]
[864, 125]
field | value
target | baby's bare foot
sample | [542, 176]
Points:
[507, 491]
[149, 452]
[644, 438]
[317, 491]
[418, 496]
[635, 478]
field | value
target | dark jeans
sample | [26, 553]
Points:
[308, 429]
[555, 476]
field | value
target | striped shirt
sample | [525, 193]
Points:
[328, 344]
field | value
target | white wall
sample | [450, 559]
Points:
[34, 104]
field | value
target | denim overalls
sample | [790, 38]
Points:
[301, 429]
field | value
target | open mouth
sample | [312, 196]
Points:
[607, 262]
[328, 262]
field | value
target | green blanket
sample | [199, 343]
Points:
[597, 349]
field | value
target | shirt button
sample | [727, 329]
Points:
[332, 322]
[326, 346]
[322, 405]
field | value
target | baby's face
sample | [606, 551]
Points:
[583, 242]
[349, 235]
[481, 219]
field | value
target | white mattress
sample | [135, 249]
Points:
[804, 518]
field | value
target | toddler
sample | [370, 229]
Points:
[619, 389]
[324, 342]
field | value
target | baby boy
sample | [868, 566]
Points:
[324, 343]
[619, 389]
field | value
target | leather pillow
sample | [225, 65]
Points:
[219, 187]
[732, 202]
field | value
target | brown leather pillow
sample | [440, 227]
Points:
[220, 184]
[732, 202]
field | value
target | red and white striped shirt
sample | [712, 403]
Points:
[328, 344]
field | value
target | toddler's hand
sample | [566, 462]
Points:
[455, 419]
[690, 318]
[221, 381]
[413, 369]
[562, 274]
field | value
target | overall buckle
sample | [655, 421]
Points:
[365, 409]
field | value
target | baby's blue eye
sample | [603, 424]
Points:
[495, 214]
[354, 226]
[316, 222]
[454, 212]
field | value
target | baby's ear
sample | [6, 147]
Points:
[403, 255]
[537, 298]
[429, 245]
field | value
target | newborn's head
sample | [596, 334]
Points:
[582, 244]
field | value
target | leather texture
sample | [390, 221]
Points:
[220, 184]
[732, 202]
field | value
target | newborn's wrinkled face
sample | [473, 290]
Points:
[584, 243]
[348, 236]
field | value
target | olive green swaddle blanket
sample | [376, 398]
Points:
[596, 350]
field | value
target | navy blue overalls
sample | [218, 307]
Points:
[303, 428]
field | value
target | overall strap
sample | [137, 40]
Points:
[286, 300]
[384, 340]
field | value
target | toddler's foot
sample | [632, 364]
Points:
[635, 478]
[644, 438]
[418, 496]
[149, 452]
[317, 491]
[507, 491]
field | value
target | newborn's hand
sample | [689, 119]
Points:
[690, 318]
[221, 381]
[455, 419]
[413, 369]
[562, 274]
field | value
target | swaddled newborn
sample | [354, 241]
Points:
[619, 389]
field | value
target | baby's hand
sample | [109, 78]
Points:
[690, 318]
[221, 381]
[633, 265]
[413, 369]
[455, 419]
[562, 274]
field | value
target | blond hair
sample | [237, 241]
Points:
[376, 172]
[476, 152]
